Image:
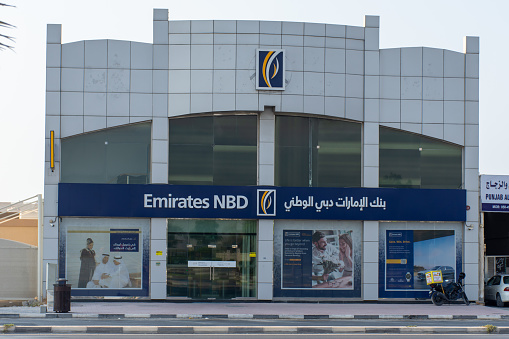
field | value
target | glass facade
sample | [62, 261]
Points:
[213, 150]
[113, 156]
[211, 259]
[313, 152]
[413, 161]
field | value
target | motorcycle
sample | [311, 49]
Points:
[448, 291]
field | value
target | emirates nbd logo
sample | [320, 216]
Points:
[266, 203]
[270, 69]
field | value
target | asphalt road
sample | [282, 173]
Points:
[258, 336]
[247, 322]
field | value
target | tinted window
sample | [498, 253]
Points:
[413, 161]
[214, 150]
[496, 281]
[317, 152]
[506, 280]
[114, 156]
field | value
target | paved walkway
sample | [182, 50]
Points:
[277, 309]
[259, 310]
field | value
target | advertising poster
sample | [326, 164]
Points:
[317, 259]
[412, 253]
[106, 258]
[400, 260]
[297, 249]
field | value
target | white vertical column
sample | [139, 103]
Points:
[265, 256]
[160, 98]
[472, 249]
[158, 249]
[52, 177]
[160, 139]
[370, 152]
[160, 64]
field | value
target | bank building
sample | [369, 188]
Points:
[260, 160]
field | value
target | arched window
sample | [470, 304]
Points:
[316, 152]
[410, 160]
[213, 150]
[118, 155]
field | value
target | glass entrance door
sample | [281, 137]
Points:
[211, 259]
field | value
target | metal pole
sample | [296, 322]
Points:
[481, 258]
[39, 246]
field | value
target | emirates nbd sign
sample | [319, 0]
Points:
[260, 202]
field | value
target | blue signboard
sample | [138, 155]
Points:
[256, 202]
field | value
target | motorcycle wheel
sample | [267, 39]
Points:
[465, 299]
[437, 300]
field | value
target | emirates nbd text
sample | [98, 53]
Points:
[219, 202]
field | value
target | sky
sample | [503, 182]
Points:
[403, 23]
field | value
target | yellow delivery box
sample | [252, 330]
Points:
[434, 277]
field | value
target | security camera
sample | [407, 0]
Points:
[52, 223]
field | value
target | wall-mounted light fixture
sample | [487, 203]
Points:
[52, 150]
[470, 227]
[52, 222]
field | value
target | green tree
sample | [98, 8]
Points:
[5, 40]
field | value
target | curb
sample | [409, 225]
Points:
[257, 316]
[255, 329]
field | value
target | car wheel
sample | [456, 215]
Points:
[437, 300]
[500, 303]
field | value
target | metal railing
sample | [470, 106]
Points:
[18, 209]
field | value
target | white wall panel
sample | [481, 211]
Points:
[72, 103]
[411, 61]
[95, 80]
[117, 104]
[119, 54]
[292, 103]
[73, 54]
[432, 62]
[314, 59]
[335, 106]
[223, 102]
[96, 54]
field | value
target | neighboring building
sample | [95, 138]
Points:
[18, 249]
[495, 217]
[260, 160]
[19, 222]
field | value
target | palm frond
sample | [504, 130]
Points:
[4, 24]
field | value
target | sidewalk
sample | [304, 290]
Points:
[257, 310]
[131, 309]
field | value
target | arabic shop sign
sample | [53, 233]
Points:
[260, 202]
[495, 193]
[346, 202]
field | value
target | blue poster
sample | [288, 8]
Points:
[399, 260]
[124, 240]
[297, 265]
[410, 254]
